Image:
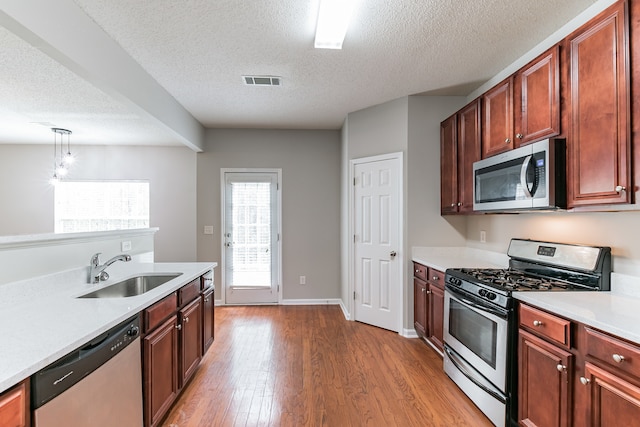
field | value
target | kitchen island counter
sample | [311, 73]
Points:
[43, 319]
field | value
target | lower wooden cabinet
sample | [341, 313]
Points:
[208, 323]
[14, 406]
[190, 339]
[160, 366]
[612, 400]
[428, 304]
[545, 378]
[178, 330]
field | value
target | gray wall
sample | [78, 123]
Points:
[27, 197]
[310, 163]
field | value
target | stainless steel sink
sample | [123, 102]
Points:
[133, 286]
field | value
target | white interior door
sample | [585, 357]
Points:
[251, 247]
[377, 229]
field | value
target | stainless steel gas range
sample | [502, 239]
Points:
[480, 325]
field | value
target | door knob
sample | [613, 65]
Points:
[393, 254]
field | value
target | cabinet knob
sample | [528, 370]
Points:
[459, 203]
[507, 140]
[618, 358]
[428, 292]
[585, 381]
[453, 205]
[620, 188]
[178, 327]
[537, 323]
[561, 368]
[418, 271]
[435, 278]
[519, 136]
[423, 290]
[186, 320]
[206, 300]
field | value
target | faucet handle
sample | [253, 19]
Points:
[95, 259]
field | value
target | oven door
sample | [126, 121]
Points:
[477, 333]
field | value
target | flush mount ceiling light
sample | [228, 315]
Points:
[333, 21]
[61, 159]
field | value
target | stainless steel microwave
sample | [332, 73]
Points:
[529, 177]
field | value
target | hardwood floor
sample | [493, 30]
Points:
[308, 366]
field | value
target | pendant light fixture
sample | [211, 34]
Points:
[61, 159]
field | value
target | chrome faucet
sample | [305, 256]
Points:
[97, 272]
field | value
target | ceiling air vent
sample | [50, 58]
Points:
[261, 80]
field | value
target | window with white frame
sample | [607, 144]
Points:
[100, 205]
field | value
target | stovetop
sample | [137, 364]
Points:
[509, 280]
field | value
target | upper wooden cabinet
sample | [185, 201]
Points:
[460, 147]
[497, 119]
[537, 99]
[599, 145]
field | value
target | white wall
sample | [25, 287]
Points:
[27, 197]
[310, 163]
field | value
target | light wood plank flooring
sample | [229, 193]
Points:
[308, 366]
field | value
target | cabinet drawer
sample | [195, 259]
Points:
[206, 280]
[159, 311]
[14, 406]
[436, 277]
[546, 325]
[188, 292]
[420, 271]
[613, 351]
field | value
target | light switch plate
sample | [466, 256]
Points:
[125, 246]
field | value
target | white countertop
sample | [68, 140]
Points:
[42, 319]
[616, 311]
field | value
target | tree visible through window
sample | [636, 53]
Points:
[100, 205]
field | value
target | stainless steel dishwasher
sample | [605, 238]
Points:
[98, 385]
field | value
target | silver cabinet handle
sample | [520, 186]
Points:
[453, 205]
[537, 323]
[620, 188]
[417, 271]
[206, 300]
[435, 278]
[186, 320]
[459, 204]
[561, 368]
[428, 292]
[423, 290]
[585, 381]
[178, 327]
[618, 358]
[508, 140]
[519, 136]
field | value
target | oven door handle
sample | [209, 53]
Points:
[457, 295]
[458, 364]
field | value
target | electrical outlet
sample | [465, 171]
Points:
[483, 236]
[208, 229]
[303, 280]
[125, 246]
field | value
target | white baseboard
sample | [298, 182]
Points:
[345, 312]
[334, 301]
[409, 333]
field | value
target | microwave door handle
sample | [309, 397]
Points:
[523, 177]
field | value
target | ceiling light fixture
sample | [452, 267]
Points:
[62, 161]
[333, 21]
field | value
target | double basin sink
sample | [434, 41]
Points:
[133, 286]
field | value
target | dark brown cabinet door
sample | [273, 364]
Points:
[160, 353]
[420, 306]
[599, 147]
[190, 319]
[208, 308]
[468, 152]
[14, 406]
[497, 119]
[544, 383]
[449, 166]
[436, 315]
[612, 400]
[537, 99]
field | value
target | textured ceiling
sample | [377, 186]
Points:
[197, 50]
